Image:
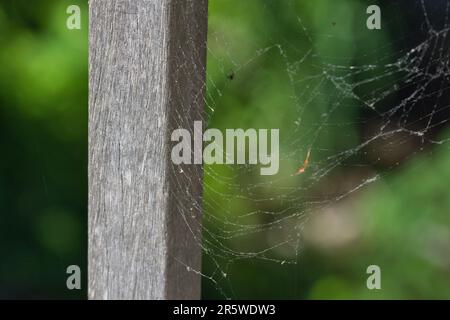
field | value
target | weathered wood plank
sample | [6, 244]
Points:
[146, 77]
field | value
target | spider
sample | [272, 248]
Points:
[230, 75]
[305, 163]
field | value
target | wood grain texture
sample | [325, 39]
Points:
[146, 78]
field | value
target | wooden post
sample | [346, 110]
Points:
[146, 78]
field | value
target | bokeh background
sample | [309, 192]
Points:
[43, 157]
[262, 60]
[401, 222]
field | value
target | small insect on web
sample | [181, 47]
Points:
[305, 163]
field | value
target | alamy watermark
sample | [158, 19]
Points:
[74, 20]
[374, 280]
[241, 146]
[374, 20]
[74, 279]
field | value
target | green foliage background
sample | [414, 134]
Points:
[43, 134]
[402, 220]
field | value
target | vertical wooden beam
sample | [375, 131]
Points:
[146, 78]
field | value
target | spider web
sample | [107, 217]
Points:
[356, 104]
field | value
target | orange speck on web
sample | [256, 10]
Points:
[305, 163]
